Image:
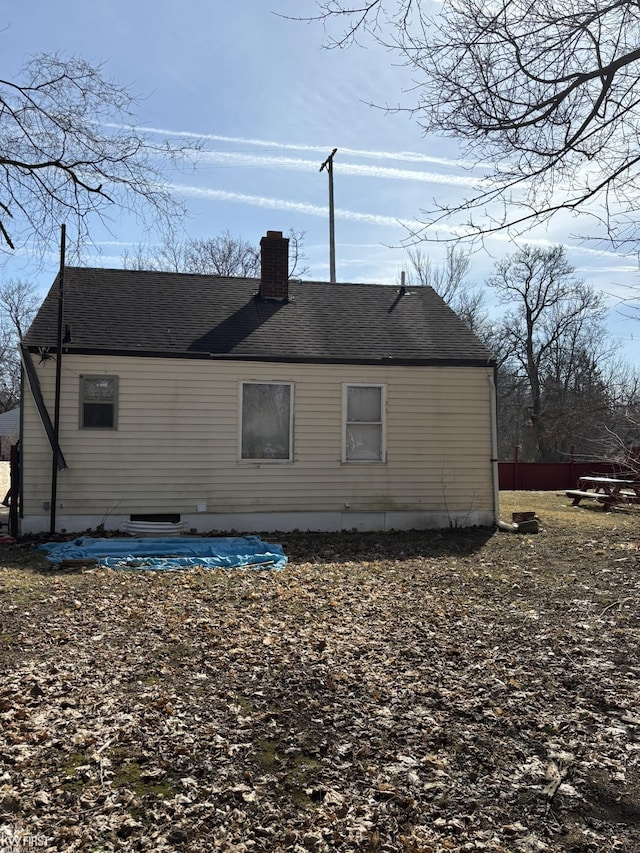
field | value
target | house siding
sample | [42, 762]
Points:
[176, 444]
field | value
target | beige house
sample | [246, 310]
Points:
[221, 404]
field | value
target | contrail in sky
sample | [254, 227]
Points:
[413, 226]
[406, 156]
[297, 164]
[299, 207]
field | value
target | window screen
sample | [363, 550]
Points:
[364, 423]
[266, 420]
[98, 402]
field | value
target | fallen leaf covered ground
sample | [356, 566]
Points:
[419, 692]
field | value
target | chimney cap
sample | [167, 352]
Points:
[274, 235]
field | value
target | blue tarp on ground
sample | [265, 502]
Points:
[171, 552]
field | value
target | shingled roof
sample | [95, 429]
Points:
[173, 315]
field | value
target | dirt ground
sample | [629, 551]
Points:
[424, 692]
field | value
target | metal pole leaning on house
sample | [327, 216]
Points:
[328, 165]
[56, 412]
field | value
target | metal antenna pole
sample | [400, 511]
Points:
[56, 417]
[328, 165]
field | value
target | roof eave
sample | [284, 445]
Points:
[414, 361]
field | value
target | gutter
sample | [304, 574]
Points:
[275, 358]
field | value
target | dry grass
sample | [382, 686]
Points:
[555, 510]
[385, 693]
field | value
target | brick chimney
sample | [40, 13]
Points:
[274, 264]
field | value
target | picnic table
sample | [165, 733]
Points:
[606, 490]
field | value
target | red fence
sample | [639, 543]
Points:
[546, 476]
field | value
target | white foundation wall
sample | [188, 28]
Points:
[176, 449]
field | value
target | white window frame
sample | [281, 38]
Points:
[257, 460]
[382, 422]
[83, 401]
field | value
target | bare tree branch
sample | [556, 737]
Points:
[449, 280]
[18, 304]
[68, 150]
[224, 255]
[553, 318]
[547, 90]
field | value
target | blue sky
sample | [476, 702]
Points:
[271, 104]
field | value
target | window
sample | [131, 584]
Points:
[363, 413]
[266, 421]
[98, 402]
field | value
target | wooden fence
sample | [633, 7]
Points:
[547, 476]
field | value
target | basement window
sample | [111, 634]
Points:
[363, 434]
[98, 402]
[266, 421]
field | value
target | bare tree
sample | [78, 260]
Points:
[297, 268]
[623, 428]
[224, 255]
[552, 320]
[19, 302]
[578, 401]
[625, 444]
[449, 280]
[18, 305]
[546, 89]
[67, 151]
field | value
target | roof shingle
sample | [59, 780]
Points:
[178, 315]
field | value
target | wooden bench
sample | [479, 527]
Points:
[606, 500]
[577, 496]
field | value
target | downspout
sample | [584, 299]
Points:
[18, 497]
[501, 525]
